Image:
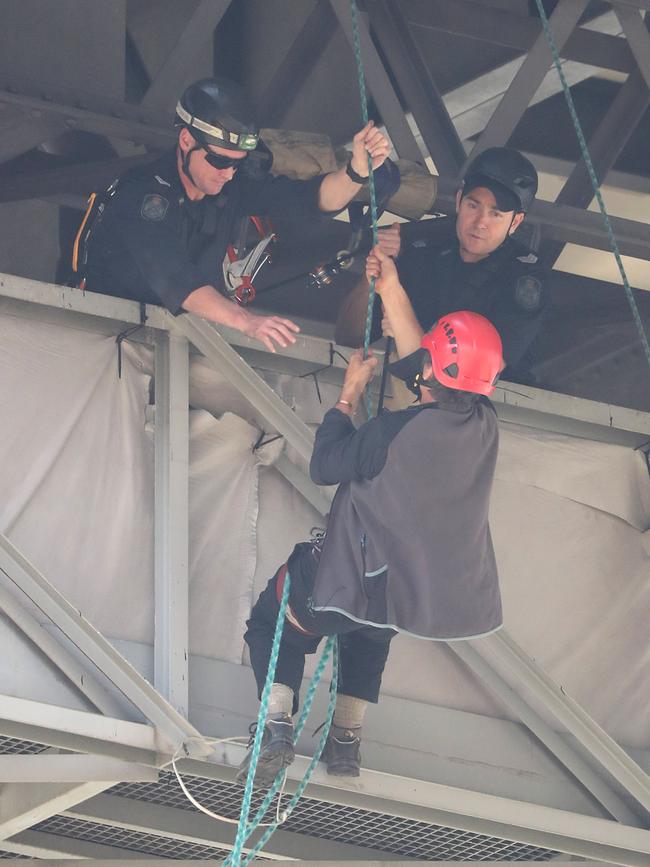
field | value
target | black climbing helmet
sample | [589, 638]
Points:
[507, 168]
[218, 112]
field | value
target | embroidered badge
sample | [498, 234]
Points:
[154, 207]
[528, 293]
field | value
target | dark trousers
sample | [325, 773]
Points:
[363, 649]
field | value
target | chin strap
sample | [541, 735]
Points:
[186, 162]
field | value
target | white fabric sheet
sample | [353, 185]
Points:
[569, 520]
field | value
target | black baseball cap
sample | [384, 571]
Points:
[505, 199]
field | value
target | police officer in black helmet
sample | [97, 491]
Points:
[473, 262]
[161, 232]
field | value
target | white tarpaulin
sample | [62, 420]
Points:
[569, 520]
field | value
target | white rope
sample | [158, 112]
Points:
[280, 817]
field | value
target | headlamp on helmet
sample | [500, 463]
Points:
[245, 141]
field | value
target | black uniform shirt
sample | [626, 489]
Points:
[507, 287]
[152, 244]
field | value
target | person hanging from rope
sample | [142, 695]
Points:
[474, 262]
[161, 233]
[407, 546]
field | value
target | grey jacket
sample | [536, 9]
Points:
[408, 543]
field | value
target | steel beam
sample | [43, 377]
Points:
[512, 699]
[476, 812]
[93, 645]
[82, 679]
[636, 32]
[568, 713]
[79, 731]
[606, 145]
[380, 86]
[459, 808]
[171, 519]
[57, 850]
[50, 768]
[529, 76]
[82, 178]
[300, 57]
[483, 23]
[273, 409]
[471, 105]
[417, 86]
[635, 4]
[193, 827]
[24, 804]
[316, 495]
[20, 131]
[556, 861]
[88, 112]
[523, 404]
[164, 89]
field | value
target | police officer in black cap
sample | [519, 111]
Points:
[471, 263]
[161, 232]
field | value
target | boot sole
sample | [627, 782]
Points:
[343, 771]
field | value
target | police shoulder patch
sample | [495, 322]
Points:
[154, 207]
[528, 293]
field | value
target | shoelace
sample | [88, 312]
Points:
[252, 728]
[348, 732]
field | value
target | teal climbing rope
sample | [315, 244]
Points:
[354, 13]
[331, 648]
[246, 828]
[594, 179]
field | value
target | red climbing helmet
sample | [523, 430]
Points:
[465, 352]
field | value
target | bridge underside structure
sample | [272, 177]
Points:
[477, 755]
[152, 483]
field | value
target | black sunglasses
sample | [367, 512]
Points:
[217, 161]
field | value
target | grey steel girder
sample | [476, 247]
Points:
[379, 85]
[418, 87]
[476, 20]
[94, 646]
[165, 87]
[299, 58]
[529, 76]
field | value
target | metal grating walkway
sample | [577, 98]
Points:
[130, 841]
[313, 818]
[407, 838]
[14, 746]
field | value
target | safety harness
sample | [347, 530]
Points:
[95, 208]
